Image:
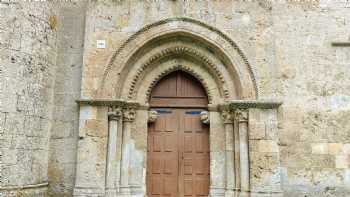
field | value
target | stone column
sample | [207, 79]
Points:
[241, 116]
[112, 167]
[227, 117]
[128, 118]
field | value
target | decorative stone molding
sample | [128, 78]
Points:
[178, 50]
[341, 44]
[186, 20]
[219, 45]
[262, 104]
[205, 117]
[129, 114]
[24, 187]
[115, 113]
[187, 69]
[246, 104]
[109, 102]
[152, 116]
[227, 116]
[241, 115]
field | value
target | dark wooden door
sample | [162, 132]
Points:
[163, 154]
[194, 152]
[178, 143]
[178, 154]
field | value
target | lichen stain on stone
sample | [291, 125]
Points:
[53, 22]
[55, 173]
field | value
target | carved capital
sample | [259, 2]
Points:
[241, 115]
[129, 114]
[205, 117]
[227, 116]
[152, 116]
[115, 113]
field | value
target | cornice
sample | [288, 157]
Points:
[246, 104]
[109, 103]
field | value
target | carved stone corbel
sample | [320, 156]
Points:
[205, 118]
[152, 116]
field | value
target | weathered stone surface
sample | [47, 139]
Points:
[27, 69]
[49, 58]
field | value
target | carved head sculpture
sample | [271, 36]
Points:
[205, 117]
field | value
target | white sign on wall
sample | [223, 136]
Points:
[101, 44]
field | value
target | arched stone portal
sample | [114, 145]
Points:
[236, 118]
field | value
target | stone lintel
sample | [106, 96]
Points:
[109, 103]
[23, 187]
[246, 104]
[341, 44]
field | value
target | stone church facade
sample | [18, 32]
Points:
[175, 98]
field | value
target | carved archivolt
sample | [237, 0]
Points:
[178, 50]
[183, 68]
[202, 75]
[216, 42]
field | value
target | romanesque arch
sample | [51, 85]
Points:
[178, 44]
[185, 38]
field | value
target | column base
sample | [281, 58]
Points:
[92, 192]
[216, 192]
[124, 191]
[111, 192]
[231, 193]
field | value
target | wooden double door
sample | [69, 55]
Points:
[178, 154]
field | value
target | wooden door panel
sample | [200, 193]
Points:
[188, 187]
[162, 171]
[178, 89]
[194, 169]
[178, 156]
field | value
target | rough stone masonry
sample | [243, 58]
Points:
[293, 52]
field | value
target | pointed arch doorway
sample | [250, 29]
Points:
[178, 142]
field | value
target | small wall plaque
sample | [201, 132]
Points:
[101, 44]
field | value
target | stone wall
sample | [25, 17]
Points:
[27, 69]
[64, 132]
[313, 77]
[287, 43]
[289, 46]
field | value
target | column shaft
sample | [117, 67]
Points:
[128, 117]
[242, 117]
[229, 154]
[230, 163]
[111, 165]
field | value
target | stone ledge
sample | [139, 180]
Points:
[22, 187]
[108, 102]
[246, 104]
[341, 44]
